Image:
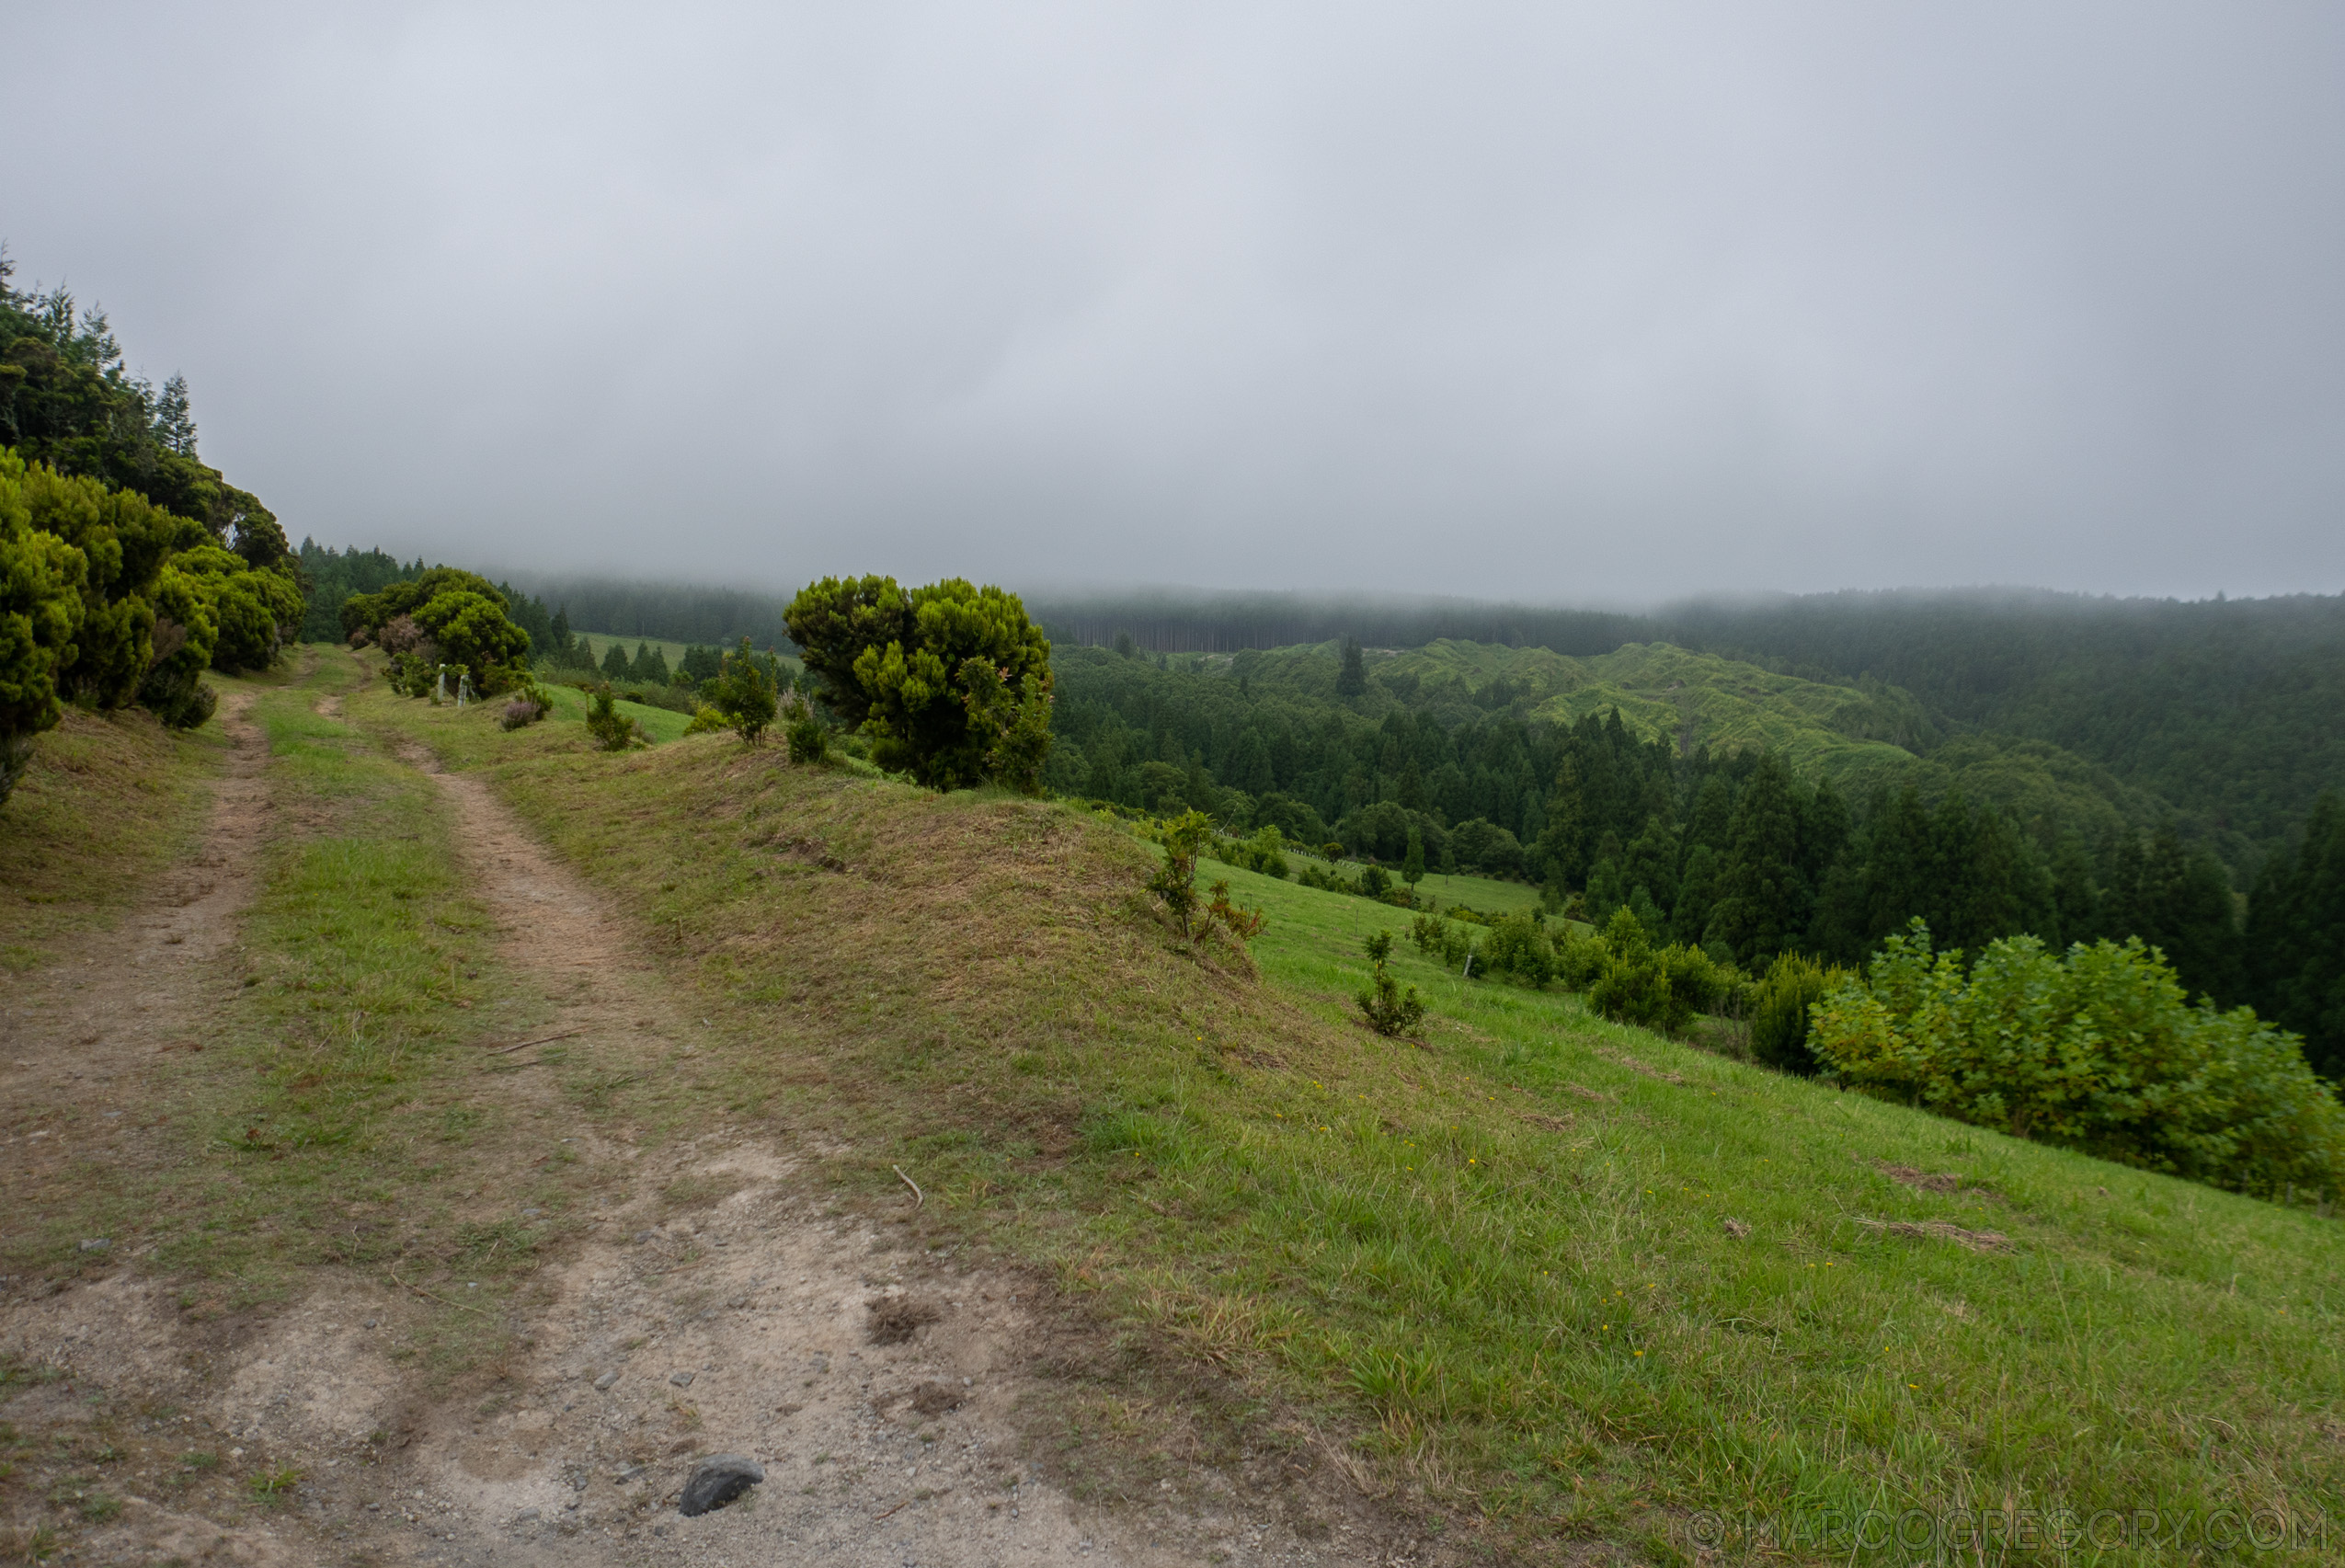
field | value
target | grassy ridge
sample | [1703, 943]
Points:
[108, 802]
[1498, 1263]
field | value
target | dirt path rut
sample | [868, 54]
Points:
[876, 1386]
[873, 1387]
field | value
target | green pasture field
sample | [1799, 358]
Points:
[570, 707]
[1554, 1279]
[1484, 895]
[670, 651]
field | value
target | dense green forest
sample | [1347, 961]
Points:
[2226, 708]
[2219, 714]
[1735, 808]
[718, 617]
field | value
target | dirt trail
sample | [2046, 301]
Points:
[749, 1319]
[78, 1038]
[758, 1326]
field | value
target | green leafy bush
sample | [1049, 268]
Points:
[40, 610]
[1390, 1010]
[1780, 1005]
[1183, 838]
[1264, 852]
[1635, 981]
[472, 630]
[744, 693]
[808, 737]
[184, 635]
[951, 681]
[613, 730]
[2098, 1050]
[1010, 721]
[1517, 947]
[446, 615]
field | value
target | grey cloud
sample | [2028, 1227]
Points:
[1533, 301]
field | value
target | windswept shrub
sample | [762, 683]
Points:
[2099, 1050]
[1176, 886]
[744, 693]
[802, 729]
[1518, 946]
[1390, 1010]
[1780, 1001]
[613, 730]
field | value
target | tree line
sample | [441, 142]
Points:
[1730, 853]
[127, 565]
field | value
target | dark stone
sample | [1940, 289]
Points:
[716, 1481]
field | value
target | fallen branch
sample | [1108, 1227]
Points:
[915, 1497]
[919, 1197]
[394, 1271]
[505, 1050]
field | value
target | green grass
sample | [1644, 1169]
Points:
[570, 706]
[1496, 1263]
[334, 1110]
[1484, 895]
[109, 802]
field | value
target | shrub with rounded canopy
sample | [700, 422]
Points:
[460, 614]
[472, 630]
[257, 611]
[125, 539]
[187, 631]
[952, 682]
[40, 610]
[2099, 1050]
[368, 611]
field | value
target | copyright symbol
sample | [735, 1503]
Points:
[1710, 1528]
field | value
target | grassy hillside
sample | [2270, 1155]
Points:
[1560, 1282]
[109, 801]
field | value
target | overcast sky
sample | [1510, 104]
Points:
[1547, 302]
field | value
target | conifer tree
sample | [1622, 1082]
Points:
[1765, 903]
[2297, 938]
[2178, 902]
[1352, 679]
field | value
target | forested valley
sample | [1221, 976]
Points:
[1745, 778]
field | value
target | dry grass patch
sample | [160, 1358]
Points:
[109, 801]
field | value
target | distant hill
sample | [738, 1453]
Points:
[1862, 735]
